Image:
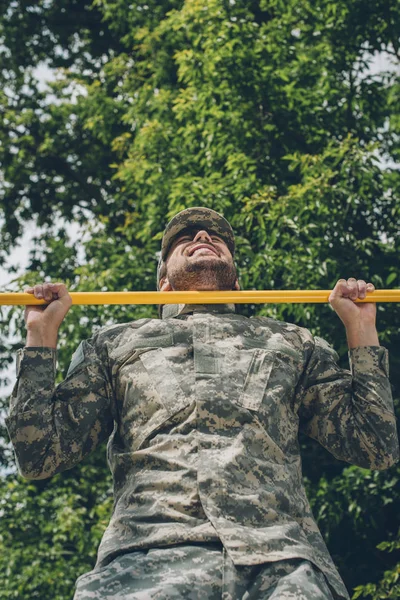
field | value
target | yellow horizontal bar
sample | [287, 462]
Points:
[196, 297]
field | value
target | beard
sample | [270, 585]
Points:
[202, 274]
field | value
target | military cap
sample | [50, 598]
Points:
[197, 216]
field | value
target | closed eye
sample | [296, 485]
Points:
[188, 237]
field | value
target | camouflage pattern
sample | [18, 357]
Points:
[196, 216]
[198, 572]
[202, 409]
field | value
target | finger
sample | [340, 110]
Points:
[38, 291]
[362, 288]
[47, 292]
[28, 290]
[59, 289]
[343, 288]
[340, 290]
[352, 284]
[370, 287]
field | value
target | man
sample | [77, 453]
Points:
[203, 407]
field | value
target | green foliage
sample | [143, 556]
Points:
[50, 530]
[356, 511]
[388, 586]
[262, 110]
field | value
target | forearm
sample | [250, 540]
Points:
[53, 427]
[30, 420]
[350, 412]
[362, 336]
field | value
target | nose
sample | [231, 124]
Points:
[202, 235]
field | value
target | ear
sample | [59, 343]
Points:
[236, 285]
[165, 285]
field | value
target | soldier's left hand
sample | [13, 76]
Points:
[342, 301]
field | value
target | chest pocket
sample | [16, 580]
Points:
[257, 378]
[149, 390]
[247, 372]
[163, 379]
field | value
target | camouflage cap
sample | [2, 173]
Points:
[197, 216]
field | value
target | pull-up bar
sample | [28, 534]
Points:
[197, 297]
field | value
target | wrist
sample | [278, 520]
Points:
[39, 338]
[362, 336]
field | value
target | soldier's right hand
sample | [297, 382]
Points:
[45, 319]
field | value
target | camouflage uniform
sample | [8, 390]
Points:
[202, 409]
[198, 572]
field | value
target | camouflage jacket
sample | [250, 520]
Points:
[202, 410]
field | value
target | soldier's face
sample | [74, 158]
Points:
[199, 260]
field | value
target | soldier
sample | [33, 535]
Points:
[202, 410]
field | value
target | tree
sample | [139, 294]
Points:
[264, 111]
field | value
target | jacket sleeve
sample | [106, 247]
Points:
[350, 412]
[52, 428]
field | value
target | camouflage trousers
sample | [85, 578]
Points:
[199, 572]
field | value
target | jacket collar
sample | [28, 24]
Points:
[170, 311]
